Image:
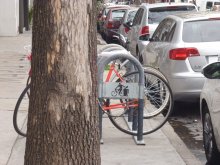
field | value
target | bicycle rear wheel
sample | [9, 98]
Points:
[157, 107]
[21, 107]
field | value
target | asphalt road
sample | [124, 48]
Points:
[187, 124]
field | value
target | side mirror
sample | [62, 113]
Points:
[212, 71]
[128, 24]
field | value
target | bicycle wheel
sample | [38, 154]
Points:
[27, 83]
[21, 107]
[157, 107]
[28, 80]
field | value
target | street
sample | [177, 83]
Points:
[187, 124]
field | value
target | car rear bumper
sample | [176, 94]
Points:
[186, 88]
[141, 45]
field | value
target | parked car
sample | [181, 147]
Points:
[103, 14]
[112, 23]
[123, 29]
[210, 113]
[147, 19]
[181, 45]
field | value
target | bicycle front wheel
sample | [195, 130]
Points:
[20, 112]
[157, 107]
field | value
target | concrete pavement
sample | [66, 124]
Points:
[163, 147]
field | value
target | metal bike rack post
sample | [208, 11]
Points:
[106, 48]
[104, 59]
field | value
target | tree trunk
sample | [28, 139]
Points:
[63, 117]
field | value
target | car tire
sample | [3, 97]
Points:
[210, 147]
[139, 56]
[108, 40]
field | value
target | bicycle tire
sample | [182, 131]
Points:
[114, 46]
[27, 83]
[28, 80]
[15, 114]
[163, 113]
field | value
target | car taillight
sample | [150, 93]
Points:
[144, 30]
[126, 29]
[183, 53]
[110, 25]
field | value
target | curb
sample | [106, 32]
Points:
[179, 145]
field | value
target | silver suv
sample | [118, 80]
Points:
[147, 19]
[180, 47]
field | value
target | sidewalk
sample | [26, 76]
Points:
[163, 147]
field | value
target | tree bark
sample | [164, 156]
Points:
[63, 117]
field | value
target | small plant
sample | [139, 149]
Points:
[107, 67]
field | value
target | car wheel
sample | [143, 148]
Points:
[140, 58]
[211, 151]
[107, 39]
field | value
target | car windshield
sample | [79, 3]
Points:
[201, 31]
[117, 14]
[156, 15]
[212, 71]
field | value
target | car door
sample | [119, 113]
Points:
[134, 32]
[156, 51]
[212, 86]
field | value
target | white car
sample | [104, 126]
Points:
[146, 21]
[210, 112]
[180, 47]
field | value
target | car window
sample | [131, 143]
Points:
[209, 5]
[138, 17]
[197, 31]
[168, 30]
[156, 34]
[131, 16]
[164, 31]
[213, 71]
[216, 3]
[157, 14]
[117, 14]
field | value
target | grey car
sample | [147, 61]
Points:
[180, 47]
[147, 19]
[210, 112]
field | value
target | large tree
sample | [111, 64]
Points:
[62, 119]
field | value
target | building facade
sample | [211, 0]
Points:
[14, 16]
[9, 17]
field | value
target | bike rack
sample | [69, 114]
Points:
[107, 55]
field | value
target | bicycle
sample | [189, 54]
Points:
[23, 100]
[158, 99]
